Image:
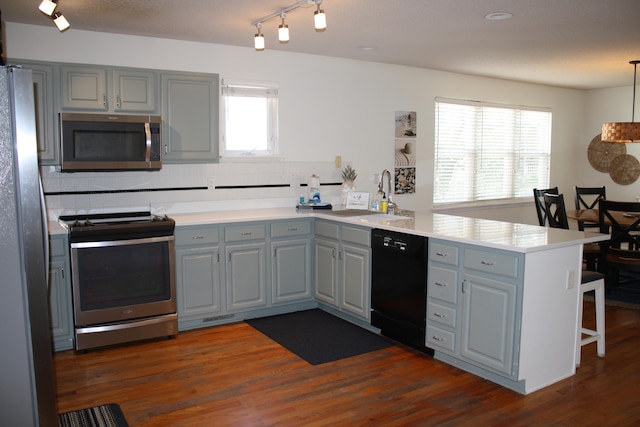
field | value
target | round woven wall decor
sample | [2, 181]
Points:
[601, 154]
[624, 170]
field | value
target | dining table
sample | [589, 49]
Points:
[592, 216]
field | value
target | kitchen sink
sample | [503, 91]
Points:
[351, 212]
[385, 217]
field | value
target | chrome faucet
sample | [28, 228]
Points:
[390, 205]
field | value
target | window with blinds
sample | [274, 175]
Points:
[489, 152]
[250, 125]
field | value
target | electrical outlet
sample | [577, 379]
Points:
[571, 279]
[211, 183]
[338, 161]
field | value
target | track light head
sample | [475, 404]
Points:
[283, 31]
[48, 6]
[258, 40]
[319, 18]
[60, 21]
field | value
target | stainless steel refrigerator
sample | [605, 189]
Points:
[27, 389]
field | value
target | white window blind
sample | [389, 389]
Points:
[486, 152]
[250, 126]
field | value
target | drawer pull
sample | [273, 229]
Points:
[443, 254]
[440, 315]
[443, 285]
[437, 338]
[487, 263]
[246, 233]
[197, 237]
[293, 229]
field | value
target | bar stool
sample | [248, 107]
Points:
[591, 281]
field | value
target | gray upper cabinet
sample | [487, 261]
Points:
[108, 89]
[46, 125]
[190, 117]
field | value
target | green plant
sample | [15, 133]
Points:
[349, 174]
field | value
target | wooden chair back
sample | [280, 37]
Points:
[622, 251]
[588, 198]
[539, 202]
[555, 210]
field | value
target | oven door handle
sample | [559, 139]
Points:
[106, 243]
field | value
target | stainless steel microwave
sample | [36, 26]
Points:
[109, 142]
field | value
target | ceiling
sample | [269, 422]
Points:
[582, 44]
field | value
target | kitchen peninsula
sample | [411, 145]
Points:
[502, 297]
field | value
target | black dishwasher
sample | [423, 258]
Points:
[399, 287]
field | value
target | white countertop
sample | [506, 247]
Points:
[496, 234]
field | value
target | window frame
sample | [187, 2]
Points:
[269, 92]
[524, 149]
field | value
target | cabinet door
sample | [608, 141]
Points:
[198, 281]
[291, 270]
[488, 322]
[326, 270]
[190, 118]
[43, 75]
[60, 304]
[134, 90]
[354, 280]
[246, 275]
[84, 88]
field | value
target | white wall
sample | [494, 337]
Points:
[328, 107]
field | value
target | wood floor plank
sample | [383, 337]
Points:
[232, 375]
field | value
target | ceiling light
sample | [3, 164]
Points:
[319, 18]
[258, 40]
[60, 21]
[283, 31]
[498, 16]
[48, 6]
[624, 131]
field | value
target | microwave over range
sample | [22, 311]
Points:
[110, 142]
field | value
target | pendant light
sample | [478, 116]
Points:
[319, 18]
[283, 31]
[624, 131]
[258, 40]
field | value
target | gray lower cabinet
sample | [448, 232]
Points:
[190, 117]
[198, 274]
[246, 266]
[60, 293]
[342, 268]
[108, 89]
[473, 295]
[290, 261]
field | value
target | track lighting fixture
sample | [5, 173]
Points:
[319, 20]
[259, 39]
[283, 31]
[60, 21]
[48, 6]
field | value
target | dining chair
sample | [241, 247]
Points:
[621, 253]
[556, 213]
[588, 198]
[539, 202]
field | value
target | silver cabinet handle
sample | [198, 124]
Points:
[440, 315]
[104, 100]
[441, 284]
[443, 254]
[197, 237]
[487, 263]
[118, 103]
[437, 338]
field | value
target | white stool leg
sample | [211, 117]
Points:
[599, 294]
[579, 335]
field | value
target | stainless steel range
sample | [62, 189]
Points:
[122, 275]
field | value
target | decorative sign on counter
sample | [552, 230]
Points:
[357, 200]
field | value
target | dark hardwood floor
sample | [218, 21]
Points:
[233, 375]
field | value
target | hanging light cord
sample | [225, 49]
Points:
[633, 107]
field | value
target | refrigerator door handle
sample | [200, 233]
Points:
[45, 232]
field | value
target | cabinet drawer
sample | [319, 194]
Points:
[443, 253]
[197, 236]
[327, 229]
[57, 247]
[244, 232]
[358, 236]
[437, 337]
[441, 314]
[442, 284]
[489, 262]
[290, 228]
